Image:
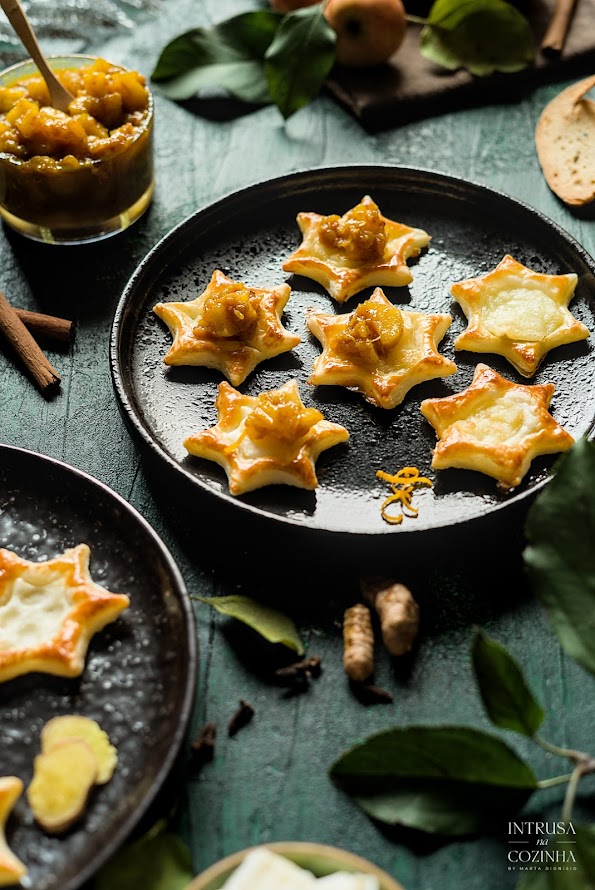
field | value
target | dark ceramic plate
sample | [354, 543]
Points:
[140, 672]
[248, 235]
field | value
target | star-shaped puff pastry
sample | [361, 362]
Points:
[230, 326]
[495, 427]
[381, 350]
[11, 868]
[517, 313]
[360, 249]
[267, 439]
[49, 611]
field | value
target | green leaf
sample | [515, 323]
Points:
[585, 844]
[158, 861]
[481, 35]
[449, 780]
[560, 556]
[274, 626]
[299, 58]
[509, 702]
[575, 868]
[230, 55]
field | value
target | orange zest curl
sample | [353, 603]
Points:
[403, 485]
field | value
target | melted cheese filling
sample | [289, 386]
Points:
[521, 313]
[506, 421]
[33, 612]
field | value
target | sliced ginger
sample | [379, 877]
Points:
[11, 868]
[75, 726]
[62, 780]
[75, 755]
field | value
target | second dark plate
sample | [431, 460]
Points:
[140, 671]
[248, 235]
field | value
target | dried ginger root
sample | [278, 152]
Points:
[398, 613]
[75, 726]
[358, 642]
[62, 780]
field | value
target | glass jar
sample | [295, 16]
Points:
[76, 200]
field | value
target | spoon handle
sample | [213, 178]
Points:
[59, 96]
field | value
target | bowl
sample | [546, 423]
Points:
[320, 859]
[95, 177]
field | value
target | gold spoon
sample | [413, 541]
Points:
[59, 96]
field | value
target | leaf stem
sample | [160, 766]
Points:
[577, 757]
[571, 792]
[416, 19]
[555, 780]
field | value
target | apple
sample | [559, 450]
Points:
[368, 31]
[286, 6]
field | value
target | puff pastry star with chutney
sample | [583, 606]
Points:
[11, 868]
[230, 326]
[266, 439]
[517, 313]
[360, 249]
[49, 611]
[380, 349]
[495, 426]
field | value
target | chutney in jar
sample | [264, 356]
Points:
[67, 177]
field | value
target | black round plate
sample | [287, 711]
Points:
[248, 235]
[140, 672]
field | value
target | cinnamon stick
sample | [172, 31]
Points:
[45, 377]
[555, 36]
[47, 327]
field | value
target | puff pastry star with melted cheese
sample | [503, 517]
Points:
[230, 326]
[11, 868]
[49, 611]
[495, 427]
[380, 349]
[266, 439]
[360, 249]
[517, 313]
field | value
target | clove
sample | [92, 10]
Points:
[202, 749]
[307, 669]
[369, 694]
[241, 718]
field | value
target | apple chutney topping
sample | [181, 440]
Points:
[230, 312]
[360, 233]
[109, 109]
[372, 331]
[280, 416]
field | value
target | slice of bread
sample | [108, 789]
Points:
[565, 141]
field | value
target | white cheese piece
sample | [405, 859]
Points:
[265, 870]
[33, 611]
[341, 880]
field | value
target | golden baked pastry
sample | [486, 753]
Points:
[230, 326]
[267, 439]
[517, 313]
[495, 427]
[49, 611]
[11, 868]
[379, 349]
[360, 249]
